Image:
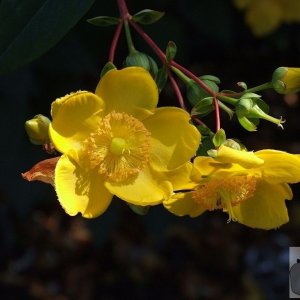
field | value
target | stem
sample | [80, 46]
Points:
[217, 113]
[114, 42]
[130, 44]
[198, 121]
[227, 99]
[261, 87]
[194, 77]
[149, 41]
[183, 77]
[176, 89]
[124, 14]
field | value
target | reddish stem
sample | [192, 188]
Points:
[198, 121]
[149, 41]
[124, 14]
[176, 89]
[114, 42]
[217, 113]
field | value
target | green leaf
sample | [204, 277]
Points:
[210, 78]
[206, 145]
[204, 130]
[104, 21]
[247, 124]
[161, 78]
[171, 51]
[29, 28]
[108, 66]
[138, 209]
[219, 138]
[251, 95]
[203, 107]
[147, 16]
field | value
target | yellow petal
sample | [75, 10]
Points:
[182, 204]
[180, 177]
[74, 117]
[207, 167]
[266, 209]
[279, 166]
[130, 90]
[145, 189]
[174, 141]
[246, 159]
[80, 191]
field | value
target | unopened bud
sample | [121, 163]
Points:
[286, 80]
[37, 129]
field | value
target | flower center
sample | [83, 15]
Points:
[225, 193]
[119, 148]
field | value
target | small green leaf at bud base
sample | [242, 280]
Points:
[37, 130]
[232, 144]
[108, 66]
[246, 123]
[195, 93]
[138, 59]
[104, 21]
[219, 138]
[153, 67]
[286, 80]
[203, 107]
[161, 78]
[147, 16]
[138, 209]
[171, 51]
[243, 106]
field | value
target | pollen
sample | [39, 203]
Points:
[119, 148]
[225, 193]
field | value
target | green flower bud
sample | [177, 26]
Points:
[286, 80]
[138, 59]
[195, 92]
[37, 130]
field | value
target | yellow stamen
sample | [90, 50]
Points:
[119, 148]
[225, 193]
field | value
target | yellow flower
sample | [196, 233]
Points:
[250, 187]
[265, 16]
[286, 80]
[116, 142]
[37, 129]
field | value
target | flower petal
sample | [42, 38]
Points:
[145, 189]
[42, 171]
[180, 177]
[131, 90]
[182, 204]
[279, 166]
[80, 191]
[266, 209]
[246, 159]
[74, 117]
[174, 141]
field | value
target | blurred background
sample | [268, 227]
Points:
[45, 254]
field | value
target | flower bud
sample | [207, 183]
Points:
[37, 129]
[286, 80]
[142, 60]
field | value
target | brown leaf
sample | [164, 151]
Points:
[42, 171]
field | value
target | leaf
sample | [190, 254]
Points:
[219, 138]
[171, 51]
[147, 16]
[211, 78]
[104, 21]
[108, 66]
[161, 78]
[29, 28]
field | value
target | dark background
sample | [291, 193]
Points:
[45, 254]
